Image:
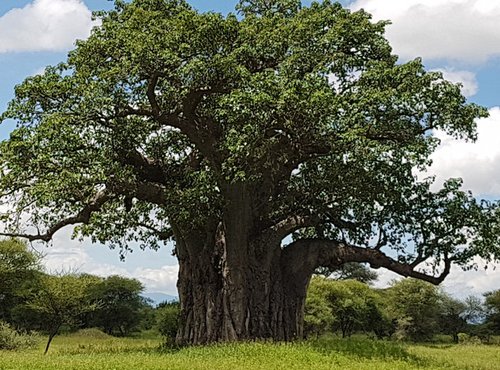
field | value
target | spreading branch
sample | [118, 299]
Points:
[81, 217]
[145, 191]
[306, 255]
[161, 234]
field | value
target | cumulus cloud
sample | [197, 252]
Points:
[44, 25]
[466, 78]
[478, 164]
[67, 255]
[462, 284]
[459, 283]
[463, 30]
[162, 280]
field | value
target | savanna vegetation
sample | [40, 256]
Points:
[104, 323]
[274, 147]
[265, 144]
[81, 351]
[34, 302]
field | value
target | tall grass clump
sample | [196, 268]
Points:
[93, 333]
[12, 340]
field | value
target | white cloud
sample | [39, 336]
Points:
[462, 284]
[459, 283]
[466, 78]
[478, 164]
[463, 30]
[66, 255]
[44, 25]
[162, 280]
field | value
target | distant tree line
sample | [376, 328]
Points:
[32, 300]
[408, 310]
[338, 301]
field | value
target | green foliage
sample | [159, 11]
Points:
[452, 316]
[414, 305]
[154, 122]
[343, 305]
[350, 271]
[409, 310]
[19, 270]
[163, 107]
[118, 304]
[62, 300]
[167, 316]
[12, 340]
[493, 308]
[318, 316]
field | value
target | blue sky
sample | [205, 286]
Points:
[461, 38]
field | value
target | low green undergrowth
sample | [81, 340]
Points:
[11, 340]
[83, 351]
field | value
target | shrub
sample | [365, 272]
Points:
[94, 333]
[168, 319]
[464, 338]
[12, 340]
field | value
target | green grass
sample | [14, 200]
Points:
[84, 351]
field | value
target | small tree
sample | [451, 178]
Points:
[414, 304]
[168, 319]
[61, 300]
[452, 316]
[492, 304]
[352, 304]
[318, 316]
[10, 339]
[344, 305]
[475, 311]
[118, 303]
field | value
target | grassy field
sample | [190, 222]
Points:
[84, 352]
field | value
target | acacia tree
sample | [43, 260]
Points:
[414, 304]
[61, 300]
[229, 134]
[493, 310]
[118, 304]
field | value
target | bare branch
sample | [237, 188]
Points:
[305, 255]
[162, 234]
[81, 217]
[144, 191]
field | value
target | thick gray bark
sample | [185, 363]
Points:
[241, 288]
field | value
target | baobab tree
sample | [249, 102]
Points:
[264, 144]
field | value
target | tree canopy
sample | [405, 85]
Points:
[19, 269]
[230, 133]
[118, 304]
[61, 300]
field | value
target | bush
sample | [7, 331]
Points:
[168, 319]
[464, 338]
[94, 333]
[12, 340]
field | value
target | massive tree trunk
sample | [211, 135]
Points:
[224, 299]
[235, 284]
[238, 286]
